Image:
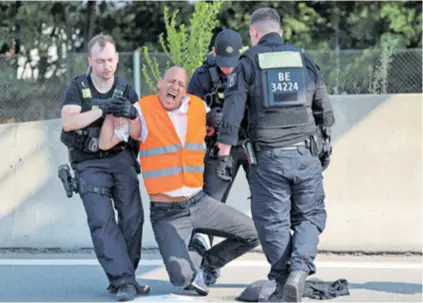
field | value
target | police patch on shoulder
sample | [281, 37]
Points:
[232, 80]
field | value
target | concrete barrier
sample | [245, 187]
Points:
[373, 185]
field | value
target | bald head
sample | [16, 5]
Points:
[175, 69]
[263, 21]
[172, 87]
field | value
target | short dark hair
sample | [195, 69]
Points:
[266, 19]
[101, 39]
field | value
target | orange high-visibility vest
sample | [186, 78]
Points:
[166, 164]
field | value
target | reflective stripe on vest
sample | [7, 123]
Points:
[173, 170]
[171, 149]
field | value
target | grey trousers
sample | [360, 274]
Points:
[117, 245]
[219, 189]
[174, 223]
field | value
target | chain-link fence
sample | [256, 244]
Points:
[33, 88]
[371, 71]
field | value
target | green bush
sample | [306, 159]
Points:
[185, 46]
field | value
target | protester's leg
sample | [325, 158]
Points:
[172, 230]
[218, 219]
[219, 190]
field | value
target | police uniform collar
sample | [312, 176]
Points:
[271, 37]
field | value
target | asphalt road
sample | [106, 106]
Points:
[79, 278]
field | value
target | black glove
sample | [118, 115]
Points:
[107, 106]
[122, 107]
[325, 161]
[224, 168]
[214, 116]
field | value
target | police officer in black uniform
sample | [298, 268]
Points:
[100, 175]
[208, 82]
[287, 104]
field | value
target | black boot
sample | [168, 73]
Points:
[142, 290]
[126, 292]
[294, 286]
[277, 295]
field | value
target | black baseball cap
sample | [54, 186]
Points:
[227, 46]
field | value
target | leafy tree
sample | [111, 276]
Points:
[184, 45]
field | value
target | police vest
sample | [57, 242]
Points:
[216, 95]
[218, 89]
[278, 95]
[83, 143]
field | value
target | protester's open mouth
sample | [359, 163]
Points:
[170, 97]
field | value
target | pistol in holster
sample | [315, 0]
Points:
[249, 151]
[212, 148]
[70, 184]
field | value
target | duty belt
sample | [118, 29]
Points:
[294, 146]
[79, 156]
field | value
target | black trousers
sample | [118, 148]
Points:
[117, 245]
[287, 193]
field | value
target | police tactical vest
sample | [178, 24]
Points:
[277, 97]
[216, 94]
[83, 144]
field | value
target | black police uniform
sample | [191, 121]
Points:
[105, 175]
[287, 101]
[208, 83]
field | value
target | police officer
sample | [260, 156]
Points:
[208, 82]
[287, 103]
[104, 175]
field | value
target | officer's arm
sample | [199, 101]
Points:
[321, 106]
[72, 118]
[107, 135]
[234, 106]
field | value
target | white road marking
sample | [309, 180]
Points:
[236, 263]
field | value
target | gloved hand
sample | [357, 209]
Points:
[107, 106]
[214, 116]
[122, 107]
[325, 160]
[224, 168]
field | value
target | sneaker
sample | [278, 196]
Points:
[211, 276]
[198, 284]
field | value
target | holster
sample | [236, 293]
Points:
[89, 188]
[249, 151]
[315, 145]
